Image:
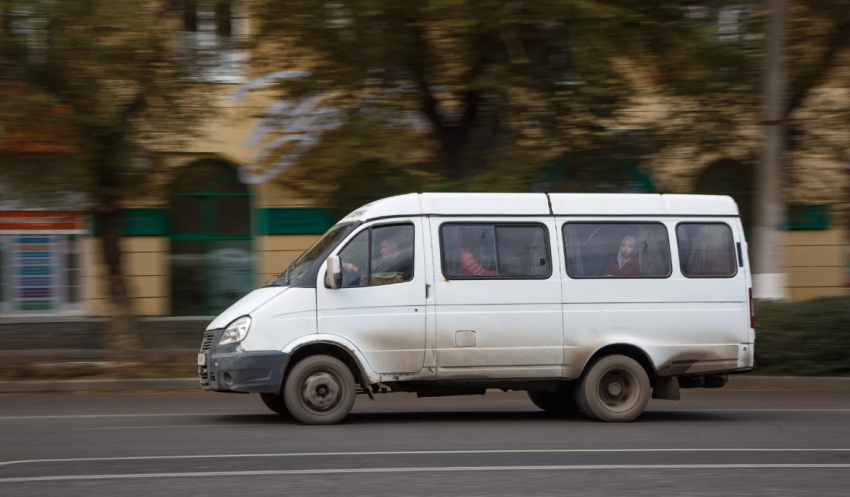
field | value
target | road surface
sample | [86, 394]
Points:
[734, 442]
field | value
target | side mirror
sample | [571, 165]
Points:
[333, 275]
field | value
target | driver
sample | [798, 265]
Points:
[393, 263]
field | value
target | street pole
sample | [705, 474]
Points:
[769, 279]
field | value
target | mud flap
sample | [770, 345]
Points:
[364, 380]
[666, 388]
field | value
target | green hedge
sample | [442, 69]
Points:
[803, 338]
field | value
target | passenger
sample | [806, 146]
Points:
[469, 265]
[625, 263]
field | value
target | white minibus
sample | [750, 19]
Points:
[592, 303]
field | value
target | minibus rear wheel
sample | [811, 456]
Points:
[560, 402]
[275, 402]
[614, 389]
[319, 390]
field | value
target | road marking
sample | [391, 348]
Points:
[749, 410]
[447, 469]
[102, 416]
[148, 427]
[406, 453]
[388, 411]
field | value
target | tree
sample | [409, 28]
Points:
[100, 78]
[816, 117]
[500, 85]
[818, 39]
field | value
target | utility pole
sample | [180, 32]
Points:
[769, 279]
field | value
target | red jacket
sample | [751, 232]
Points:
[630, 268]
[470, 267]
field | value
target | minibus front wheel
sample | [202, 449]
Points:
[614, 389]
[319, 390]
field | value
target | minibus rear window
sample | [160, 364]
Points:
[617, 250]
[706, 250]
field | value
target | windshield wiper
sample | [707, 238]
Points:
[277, 277]
[274, 279]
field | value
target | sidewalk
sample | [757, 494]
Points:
[99, 385]
[735, 381]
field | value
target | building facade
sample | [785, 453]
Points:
[216, 228]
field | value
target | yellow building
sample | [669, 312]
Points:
[214, 228]
[209, 243]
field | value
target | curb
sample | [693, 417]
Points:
[833, 382]
[744, 381]
[98, 385]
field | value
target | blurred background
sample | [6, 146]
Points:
[161, 158]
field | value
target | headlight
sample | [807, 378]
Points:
[235, 331]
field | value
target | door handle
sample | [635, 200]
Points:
[427, 291]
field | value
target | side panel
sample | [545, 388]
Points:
[386, 322]
[498, 328]
[678, 337]
[286, 317]
[748, 281]
[746, 353]
[258, 297]
[336, 340]
[685, 325]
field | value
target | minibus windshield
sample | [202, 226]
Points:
[314, 255]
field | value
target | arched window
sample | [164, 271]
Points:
[211, 242]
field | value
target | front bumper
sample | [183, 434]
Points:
[228, 369]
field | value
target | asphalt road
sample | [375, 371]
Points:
[711, 443]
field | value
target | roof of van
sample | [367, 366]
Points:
[542, 204]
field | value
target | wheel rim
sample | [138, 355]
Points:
[618, 390]
[321, 392]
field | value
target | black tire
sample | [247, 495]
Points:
[275, 402]
[580, 401]
[560, 402]
[614, 389]
[319, 390]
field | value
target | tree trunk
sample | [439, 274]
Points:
[120, 330]
[457, 140]
[453, 152]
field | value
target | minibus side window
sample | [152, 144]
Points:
[354, 255]
[617, 250]
[391, 255]
[378, 256]
[706, 250]
[495, 251]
